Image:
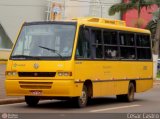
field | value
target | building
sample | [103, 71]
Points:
[99, 8]
[131, 16]
[14, 12]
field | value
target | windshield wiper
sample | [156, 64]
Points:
[53, 50]
[23, 57]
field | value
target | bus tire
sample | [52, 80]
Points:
[31, 101]
[129, 97]
[82, 100]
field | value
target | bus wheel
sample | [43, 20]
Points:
[130, 96]
[81, 101]
[31, 101]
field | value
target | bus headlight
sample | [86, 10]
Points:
[64, 73]
[11, 73]
[14, 73]
[60, 73]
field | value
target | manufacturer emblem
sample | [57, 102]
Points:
[36, 66]
[35, 74]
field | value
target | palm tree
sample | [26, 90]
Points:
[132, 4]
[152, 25]
[139, 4]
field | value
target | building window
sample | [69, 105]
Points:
[5, 42]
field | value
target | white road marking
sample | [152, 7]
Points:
[114, 108]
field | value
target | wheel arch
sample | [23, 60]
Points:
[134, 82]
[88, 83]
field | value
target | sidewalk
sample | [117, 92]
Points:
[3, 98]
[157, 82]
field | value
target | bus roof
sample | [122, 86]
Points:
[96, 22]
[109, 24]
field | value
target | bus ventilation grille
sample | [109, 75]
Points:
[37, 74]
[35, 85]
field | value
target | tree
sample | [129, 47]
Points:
[139, 4]
[154, 27]
[131, 4]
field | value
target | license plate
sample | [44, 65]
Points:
[36, 92]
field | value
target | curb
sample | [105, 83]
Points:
[3, 62]
[156, 84]
[11, 101]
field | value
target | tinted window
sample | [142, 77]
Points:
[127, 39]
[143, 46]
[110, 44]
[127, 53]
[97, 45]
[111, 52]
[110, 37]
[144, 53]
[127, 46]
[143, 40]
[83, 47]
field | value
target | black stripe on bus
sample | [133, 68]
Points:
[96, 81]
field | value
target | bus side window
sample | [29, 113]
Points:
[143, 47]
[83, 46]
[127, 46]
[97, 45]
[110, 44]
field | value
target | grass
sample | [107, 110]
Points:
[158, 74]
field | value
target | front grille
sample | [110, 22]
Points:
[36, 74]
[35, 85]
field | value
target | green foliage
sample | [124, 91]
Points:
[158, 74]
[132, 4]
[152, 25]
[123, 7]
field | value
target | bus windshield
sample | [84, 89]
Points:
[45, 41]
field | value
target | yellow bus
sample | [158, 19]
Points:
[78, 60]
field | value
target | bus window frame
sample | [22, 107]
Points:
[43, 23]
[94, 44]
[118, 45]
[111, 45]
[150, 47]
[127, 46]
[83, 27]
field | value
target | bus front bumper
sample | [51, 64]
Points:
[57, 88]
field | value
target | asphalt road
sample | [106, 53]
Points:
[99, 108]
[144, 102]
